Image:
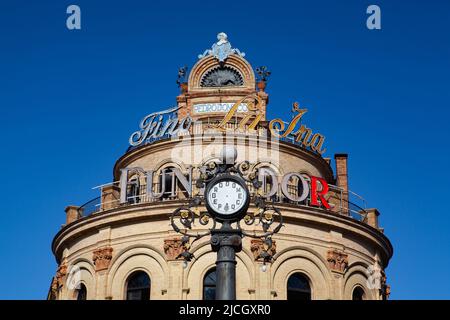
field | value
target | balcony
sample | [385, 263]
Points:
[342, 202]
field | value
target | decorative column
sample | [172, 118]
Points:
[102, 259]
[263, 268]
[173, 248]
[337, 263]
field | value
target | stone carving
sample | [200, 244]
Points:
[53, 293]
[261, 250]
[173, 248]
[385, 288]
[222, 77]
[387, 291]
[221, 49]
[102, 257]
[337, 260]
[61, 274]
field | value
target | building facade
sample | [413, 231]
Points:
[121, 245]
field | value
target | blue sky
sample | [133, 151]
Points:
[70, 99]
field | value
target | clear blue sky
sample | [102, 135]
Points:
[70, 99]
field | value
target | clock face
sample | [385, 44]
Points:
[227, 197]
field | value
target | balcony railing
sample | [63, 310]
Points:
[342, 202]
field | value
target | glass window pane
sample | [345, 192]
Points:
[358, 294]
[298, 287]
[82, 292]
[138, 286]
[209, 285]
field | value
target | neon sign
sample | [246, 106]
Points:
[153, 127]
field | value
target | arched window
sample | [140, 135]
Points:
[298, 287]
[358, 294]
[222, 77]
[138, 286]
[82, 292]
[209, 285]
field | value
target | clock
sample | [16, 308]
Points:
[227, 197]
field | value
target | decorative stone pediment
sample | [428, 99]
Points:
[102, 257]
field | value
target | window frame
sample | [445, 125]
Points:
[140, 289]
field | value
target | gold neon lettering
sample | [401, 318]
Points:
[317, 143]
[275, 131]
[294, 122]
[252, 108]
[302, 135]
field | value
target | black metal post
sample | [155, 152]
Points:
[226, 242]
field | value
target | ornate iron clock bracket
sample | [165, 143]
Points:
[266, 215]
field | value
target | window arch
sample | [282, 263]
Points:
[209, 285]
[222, 76]
[138, 286]
[298, 287]
[81, 292]
[358, 293]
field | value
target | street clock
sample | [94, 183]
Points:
[227, 197]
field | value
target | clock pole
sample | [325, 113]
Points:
[226, 241]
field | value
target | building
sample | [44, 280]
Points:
[121, 245]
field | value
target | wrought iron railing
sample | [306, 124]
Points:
[341, 201]
[90, 207]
